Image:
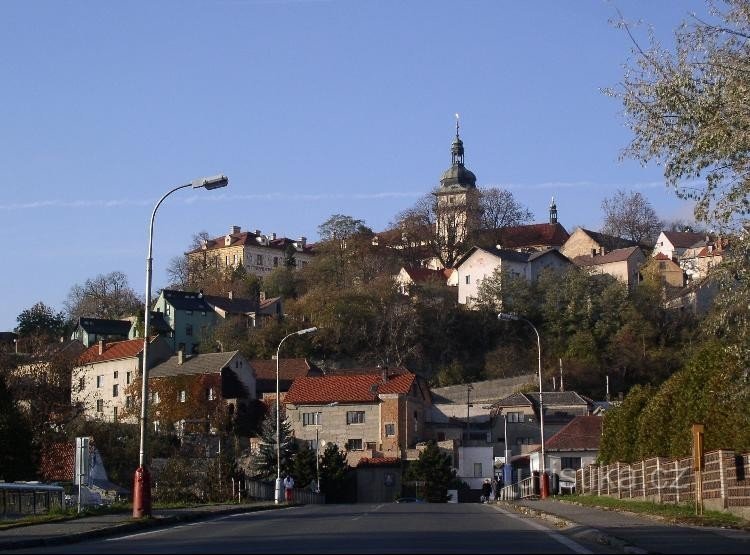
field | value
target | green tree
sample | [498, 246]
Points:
[434, 468]
[334, 473]
[620, 427]
[15, 437]
[264, 462]
[304, 469]
[40, 319]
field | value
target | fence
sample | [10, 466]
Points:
[527, 488]
[18, 499]
[267, 490]
[726, 481]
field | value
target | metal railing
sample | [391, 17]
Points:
[18, 499]
[528, 488]
[266, 492]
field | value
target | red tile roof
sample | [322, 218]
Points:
[378, 461]
[662, 256]
[289, 368]
[112, 351]
[529, 236]
[581, 433]
[619, 255]
[357, 388]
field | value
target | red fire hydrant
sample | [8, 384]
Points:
[141, 493]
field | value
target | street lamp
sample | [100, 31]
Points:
[513, 317]
[142, 481]
[277, 493]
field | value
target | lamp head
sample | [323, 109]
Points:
[213, 182]
[507, 317]
[307, 330]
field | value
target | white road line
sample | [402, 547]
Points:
[576, 547]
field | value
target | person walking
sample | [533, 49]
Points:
[486, 490]
[288, 488]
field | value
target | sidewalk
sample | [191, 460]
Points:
[630, 533]
[78, 529]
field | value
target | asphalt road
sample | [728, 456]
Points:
[384, 528]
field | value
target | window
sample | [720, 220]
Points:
[478, 470]
[128, 377]
[167, 309]
[115, 390]
[515, 417]
[210, 394]
[155, 397]
[128, 401]
[275, 261]
[235, 260]
[116, 374]
[259, 259]
[468, 280]
[100, 405]
[100, 381]
[355, 417]
[81, 383]
[114, 413]
[226, 260]
[311, 418]
[189, 329]
[183, 396]
[370, 445]
[573, 463]
[354, 445]
[390, 430]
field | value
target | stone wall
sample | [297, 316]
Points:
[726, 481]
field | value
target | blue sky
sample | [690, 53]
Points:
[311, 108]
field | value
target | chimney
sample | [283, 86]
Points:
[273, 236]
[101, 346]
[257, 231]
[384, 375]
[234, 229]
[180, 357]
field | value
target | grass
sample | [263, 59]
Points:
[683, 513]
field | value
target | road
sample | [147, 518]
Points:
[395, 528]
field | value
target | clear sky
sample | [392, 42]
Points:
[311, 107]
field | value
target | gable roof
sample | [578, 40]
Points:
[289, 368]
[503, 254]
[551, 398]
[186, 300]
[524, 236]
[356, 388]
[206, 363]
[583, 433]
[102, 326]
[113, 351]
[683, 239]
[232, 305]
[618, 255]
[609, 242]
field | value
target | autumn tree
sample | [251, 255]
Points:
[105, 296]
[629, 215]
[687, 109]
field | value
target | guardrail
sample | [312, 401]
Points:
[29, 499]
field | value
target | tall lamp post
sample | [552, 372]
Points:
[277, 493]
[513, 317]
[142, 480]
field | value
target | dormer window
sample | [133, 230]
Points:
[227, 240]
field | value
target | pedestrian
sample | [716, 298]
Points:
[486, 490]
[288, 487]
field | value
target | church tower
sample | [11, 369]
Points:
[457, 198]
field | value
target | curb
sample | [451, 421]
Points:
[583, 532]
[124, 527]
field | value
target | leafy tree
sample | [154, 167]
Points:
[434, 468]
[105, 296]
[631, 216]
[40, 319]
[687, 109]
[15, 437]
[620, 427]
[334, 473]
[304, 469]
[264, 462]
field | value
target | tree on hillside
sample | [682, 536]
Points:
[40, 320]
[264, 462]
[499, 209]
[630, 216]
[688, 110]
[105, 296]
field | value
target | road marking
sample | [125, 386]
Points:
[576, 547]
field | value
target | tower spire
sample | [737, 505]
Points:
[553, 212]
[457, 124]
